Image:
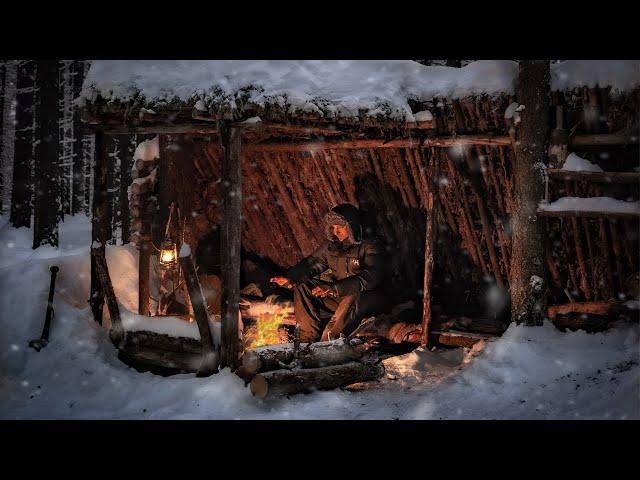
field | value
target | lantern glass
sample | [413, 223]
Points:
[168, 253]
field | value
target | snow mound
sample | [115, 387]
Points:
[540, 372]
[574, 163]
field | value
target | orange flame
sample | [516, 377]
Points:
[266, 330]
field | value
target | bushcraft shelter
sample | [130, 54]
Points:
[261, 150]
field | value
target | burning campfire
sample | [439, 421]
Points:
[268, 323]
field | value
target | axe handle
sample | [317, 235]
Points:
[49, 315]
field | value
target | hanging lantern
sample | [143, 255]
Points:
[168, 253]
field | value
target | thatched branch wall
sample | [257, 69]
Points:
[287, 193]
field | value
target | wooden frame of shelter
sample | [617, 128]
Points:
[475, 121]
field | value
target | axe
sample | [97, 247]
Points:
[39, 343]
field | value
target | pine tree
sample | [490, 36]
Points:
[8, 131]
[47, 205]
[88, 157]
[22, 189]
[3, 70]
[66, 133]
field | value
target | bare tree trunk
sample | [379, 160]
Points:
[113, 186]
[8, 131]
[528, 291]
[128, 148]
[23, 151]
[77, 198]
[3, 82]
[47, 208]
[65, 132]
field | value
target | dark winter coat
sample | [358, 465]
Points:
[356, 265]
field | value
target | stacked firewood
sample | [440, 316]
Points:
[142, 201]
[292, 368]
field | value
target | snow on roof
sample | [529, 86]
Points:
[596, 204]
[336, 87]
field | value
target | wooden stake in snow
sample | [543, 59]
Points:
[528, 261]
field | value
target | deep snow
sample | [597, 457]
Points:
[528, 373]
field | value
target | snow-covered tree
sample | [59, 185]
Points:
[22, 188]
[48, 208]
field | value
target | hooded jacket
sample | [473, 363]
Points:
[356, 263]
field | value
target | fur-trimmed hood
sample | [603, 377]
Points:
[344, 214]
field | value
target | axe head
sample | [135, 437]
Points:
[38, 344]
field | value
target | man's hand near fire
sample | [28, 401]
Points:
[282, 282]
[322, 291]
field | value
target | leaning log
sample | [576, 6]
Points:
[106, 287]
[289, 382]
[210, 359]
[310, 355]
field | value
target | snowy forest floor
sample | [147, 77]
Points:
[529, 373]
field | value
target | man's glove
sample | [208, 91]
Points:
[322, 291]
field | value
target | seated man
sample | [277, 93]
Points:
[325, 309]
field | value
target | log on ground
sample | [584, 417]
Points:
[319, 354]
[289, 382]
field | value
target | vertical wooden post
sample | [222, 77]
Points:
[429, 244]
[230, 240]
[144, 263]
[528, 289]
[99, 225]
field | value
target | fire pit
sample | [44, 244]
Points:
[267, 323]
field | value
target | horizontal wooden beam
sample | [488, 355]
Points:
[380, 143]
[182, 128]
[587, 214]
[606, 177]
[616, 138]
[594, 308]
[460, 140]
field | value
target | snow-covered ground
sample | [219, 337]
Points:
[528, 373]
